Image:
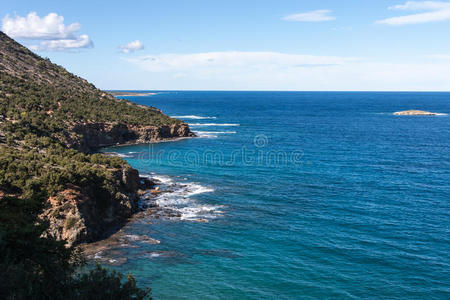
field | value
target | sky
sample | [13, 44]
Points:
[292, 45]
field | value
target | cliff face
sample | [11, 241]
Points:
[91, 136]
[74, 216]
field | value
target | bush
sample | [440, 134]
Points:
[70, 222]
[38, 267]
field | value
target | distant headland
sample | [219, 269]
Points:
[413, 112]
[130, 94]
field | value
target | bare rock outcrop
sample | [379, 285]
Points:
[91, 136]
[76, 216]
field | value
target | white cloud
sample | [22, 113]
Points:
[82, 41]
[435, 11]
[420, 5]
[49, 31]
[132, 46]
[235, 70]
[233, 61]
[34, 27]
[440, 56]
[311, 16]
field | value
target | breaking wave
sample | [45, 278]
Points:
[213, 124]
[211, 134]
[193, 117]
[176, 200]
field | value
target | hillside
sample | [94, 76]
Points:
[50, 122]
[51, 101]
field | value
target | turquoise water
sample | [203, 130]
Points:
[289, 195]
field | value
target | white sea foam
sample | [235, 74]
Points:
[179, 200]
[217, 132]
[192, 189]
[163, 179]
[193, 117]
[200, 212]
[205, 135]
[213, 124]
[122, 155]
[211, 134]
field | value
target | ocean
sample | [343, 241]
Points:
[296, 195]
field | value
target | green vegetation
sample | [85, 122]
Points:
[51, 108]
[37, 267]
[42, 168]
[40, 103]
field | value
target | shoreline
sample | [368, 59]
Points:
[164, 140]
[114, 237]
[110, 249]
[117, 238]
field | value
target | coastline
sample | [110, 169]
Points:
[156, 206]
[114, 237]
[135, 143]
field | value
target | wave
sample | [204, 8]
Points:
[122, 155]
[211, 134]
[177, 201]
[193, 117]
[161, 178]
[213, 124]
[199, 212]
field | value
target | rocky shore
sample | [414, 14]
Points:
[73, 214]
[51, 124]
[75, 217]
[108, 249]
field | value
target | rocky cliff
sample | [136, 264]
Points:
[74, 217]
[91, 136]
[50, 122]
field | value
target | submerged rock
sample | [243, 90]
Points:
[155, 190]
[141, 238]
[146, 183]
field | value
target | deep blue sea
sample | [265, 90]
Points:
[297, 195]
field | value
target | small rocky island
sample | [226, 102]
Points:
[413, 112]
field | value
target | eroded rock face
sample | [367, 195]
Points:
[91, 136]
[64, 215]
[75, 216]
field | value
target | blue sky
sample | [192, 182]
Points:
[241, 45]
